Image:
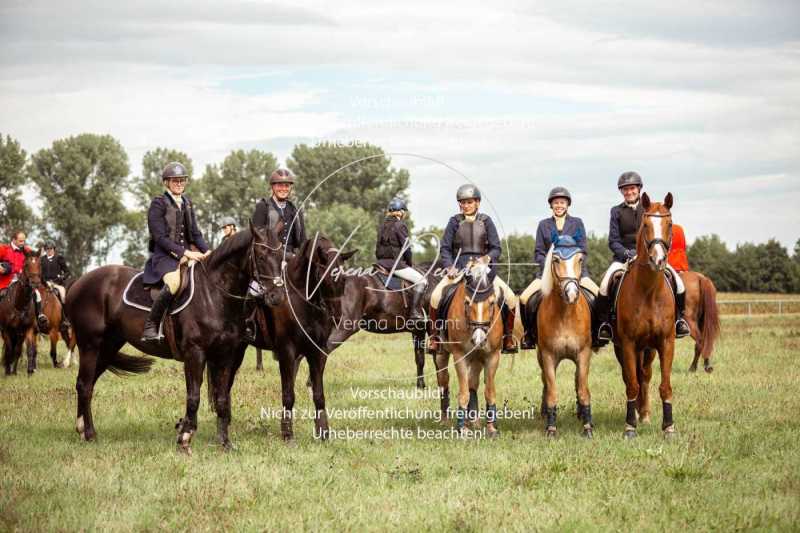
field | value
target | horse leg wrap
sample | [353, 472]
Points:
[491, 414]
[630, 417]
[585, 414]
[667, 418]
[550, 415]
[461, 417]
[472, 406]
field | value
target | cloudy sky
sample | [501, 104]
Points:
[702, 99]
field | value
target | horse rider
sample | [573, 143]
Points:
[12, 262]
[677, 252]
[55, 274]
[623, 228]
[228, 227]
[470, 235]
[268, 213]
[561, 223]
[278, 207]
[173, 235]
[393, 252]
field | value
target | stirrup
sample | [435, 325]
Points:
[681, 328]
[250, 330]
[605, 332]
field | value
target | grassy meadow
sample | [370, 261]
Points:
[735, 463]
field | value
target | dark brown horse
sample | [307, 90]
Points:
[367, 304]
[564, 332]
[207, 332]
[300, 326]
[17, 316]
[702, 316]
[646, 318]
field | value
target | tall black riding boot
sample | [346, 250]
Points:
[41, 320]
[160, 307]
[602, 307]
[415, 312]
[681, 326]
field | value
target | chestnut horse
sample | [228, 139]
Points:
[17, 315]
[474, 336]
[646, 318]
[702, 315]
[208, 332]
[51, 307]
[564, 331]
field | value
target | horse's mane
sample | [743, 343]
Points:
[233, 244]
[547, 272]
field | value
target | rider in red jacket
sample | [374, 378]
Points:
[677, 253]
[12, 261]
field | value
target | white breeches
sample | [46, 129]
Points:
[411, 275]
[500, 287]
[617, 267]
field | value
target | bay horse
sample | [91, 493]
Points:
[208, 332]
[368, 304]
[702, 315]
[645, 323]
[473, 335]
[299, 327]
[17, 315]
[564, 331]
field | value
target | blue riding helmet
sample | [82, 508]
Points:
[397, 204]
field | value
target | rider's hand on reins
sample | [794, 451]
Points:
[191, 254]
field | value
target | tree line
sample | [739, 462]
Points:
[82, 180]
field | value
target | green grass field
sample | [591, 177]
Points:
[734, 465]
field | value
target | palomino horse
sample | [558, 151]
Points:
[300, 326]
[17, 316]
[368, 304]
[702, 315]
[564, 331]
[207, 332]
[646, 318]
[474, 336]
[51, 307]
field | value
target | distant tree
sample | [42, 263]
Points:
[338, 221]
[232, 188]
[518, 250]
[143, 189]
[796, 255]
[426, 242]
[14, 213]
[709, 255]
[79, 180]
[600, 256]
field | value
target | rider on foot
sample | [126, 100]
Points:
[174, 239]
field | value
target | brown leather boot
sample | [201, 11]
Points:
[509, 345]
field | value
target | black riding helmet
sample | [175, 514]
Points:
[629, 178]
[174, 170]
[559, 192]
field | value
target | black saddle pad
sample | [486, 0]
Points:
[394, 283]
[137, 295]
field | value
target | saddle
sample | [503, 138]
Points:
[141, 296]
[385, 278]
[616, 285]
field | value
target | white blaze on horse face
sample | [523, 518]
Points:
[479, 335]
[572, 289]
[660, 252]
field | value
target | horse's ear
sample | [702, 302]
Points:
[645, 201]
[668, 200]
[252, 226]
[347, 255]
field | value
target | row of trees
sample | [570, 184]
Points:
[81, 182]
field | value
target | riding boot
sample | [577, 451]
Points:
[250, 327]
[602, 307]
[41, 320]
[153, 320]
[509, 344]
[433, 333]
[64, 320]
[415, 313]
[530, 312]
[681, 326]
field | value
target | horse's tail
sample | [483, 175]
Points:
[710, 316]
[127, 365]
[211, 390]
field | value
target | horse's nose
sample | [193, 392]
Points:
[478, 337]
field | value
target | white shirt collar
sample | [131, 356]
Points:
[177, 199]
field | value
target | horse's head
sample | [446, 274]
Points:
[480, 315]
[655, 233]
[478, 271]
[266, 264]
[321, 259]
[566, 263]
[32, 270]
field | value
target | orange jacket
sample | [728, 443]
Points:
[677, 253]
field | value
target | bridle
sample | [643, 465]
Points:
[565, 281]
[478, 324]
[255, 272]
[658, 240]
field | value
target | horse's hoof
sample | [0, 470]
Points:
[709, 369]
[587, 433]
[670, 433]
[629, 434]
[550, 432]
[645, 419]
[491, 431]
[227, 446]
[184, 443]
[693, 368]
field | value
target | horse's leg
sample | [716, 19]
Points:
[287, 363]
[94, 361]
[316, 369]
[627, 355]
[53, 344]
[474, 367]
[8, 353]
[222, 377]
[463, 387]
[442, 361]
[418, 338]
[490, 393]
[644, 375]
[193, 368]
[259, 360]
[549, 393]
[693, 366]
[666, 354]
[582, 390]
[30, 343]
